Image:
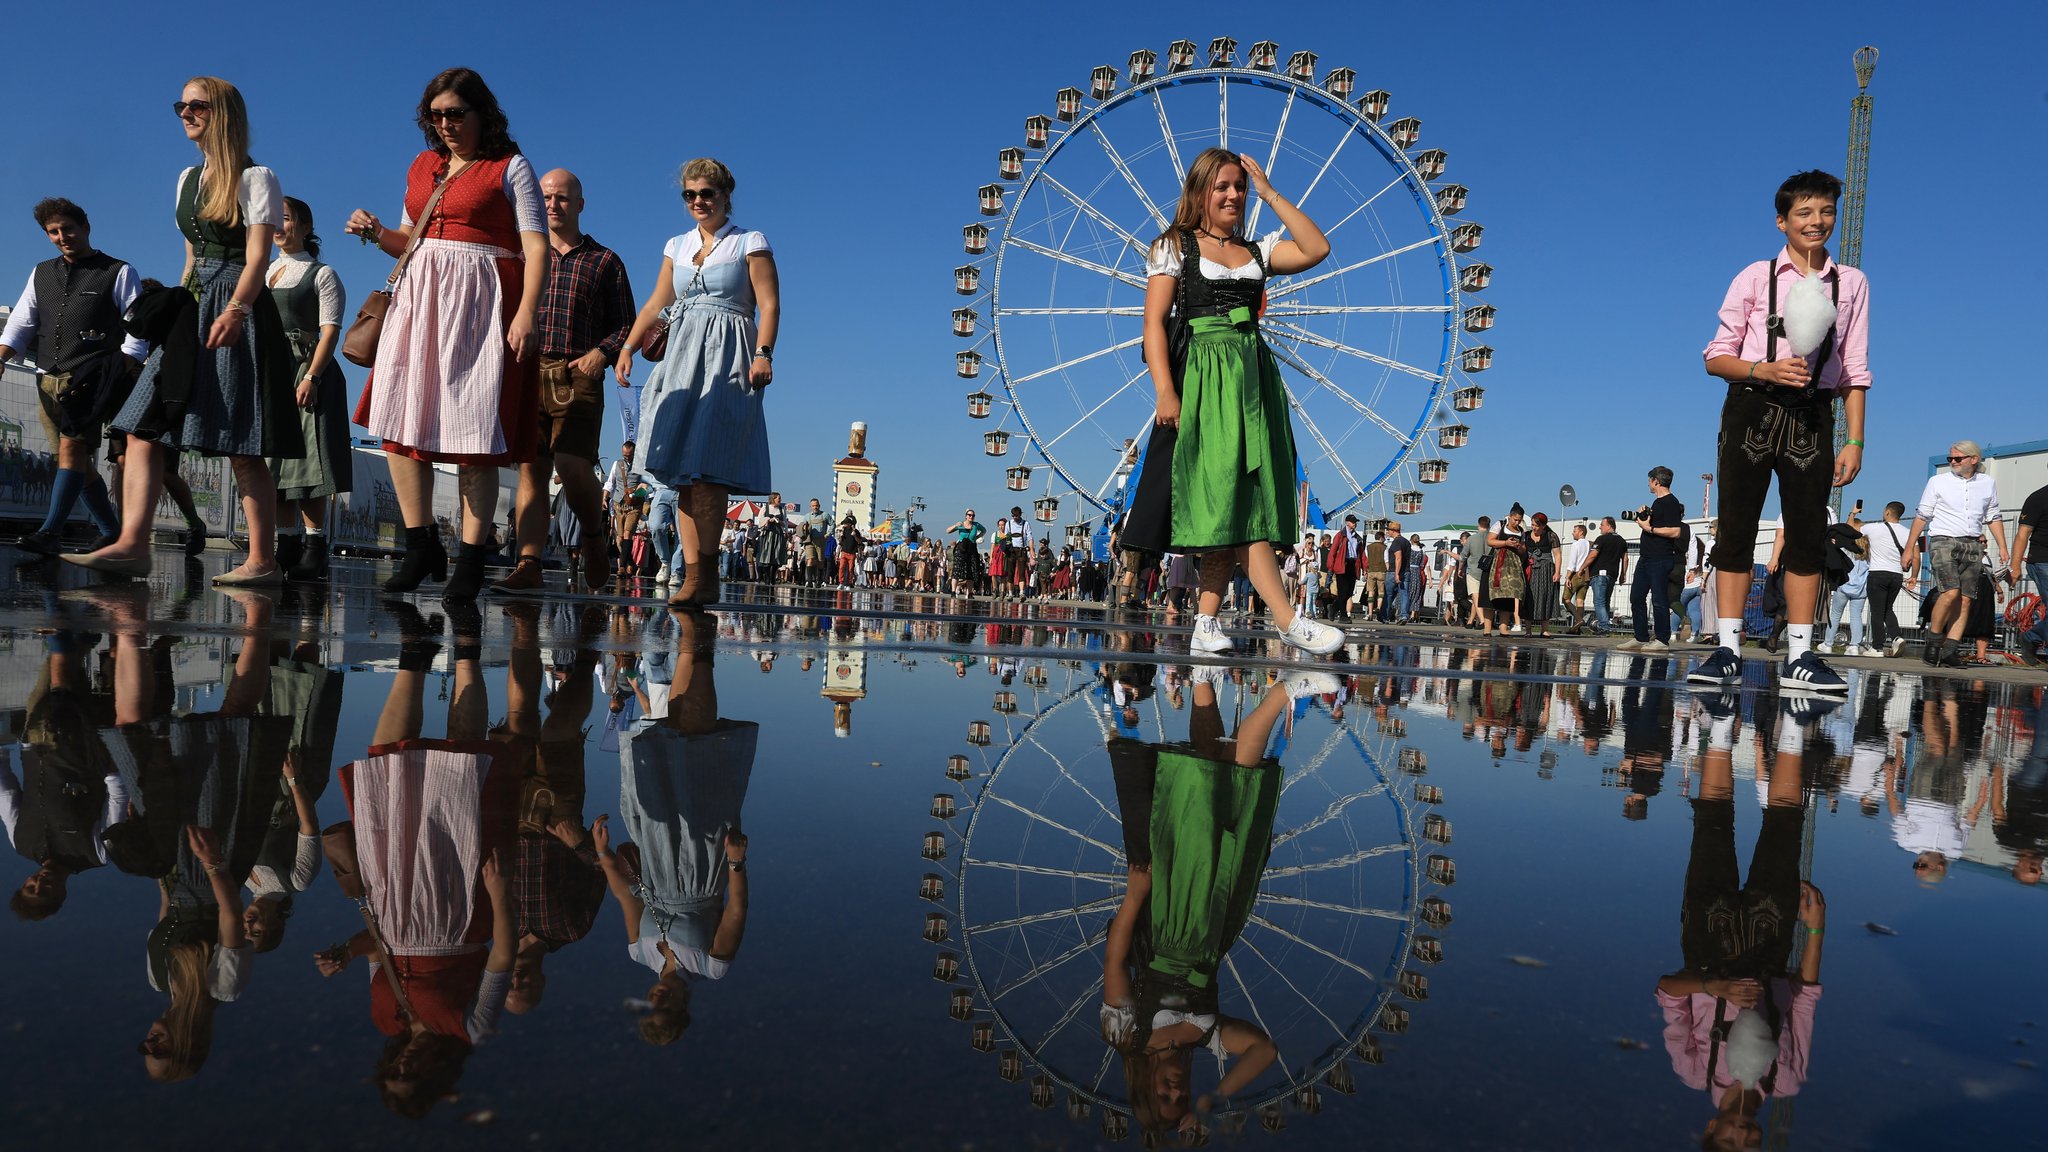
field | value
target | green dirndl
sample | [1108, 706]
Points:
[1234, 465]
[1212, 830]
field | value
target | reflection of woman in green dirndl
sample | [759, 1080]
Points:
[1198, 828]
[1232, 463]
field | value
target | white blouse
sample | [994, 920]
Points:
[227, 973]
[682, 250]
[290, 267]
[262, 197]
[1165, 261]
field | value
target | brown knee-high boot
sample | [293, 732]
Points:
[700, 582]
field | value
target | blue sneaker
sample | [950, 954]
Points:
[1810, 673]
[1804, 710]
[1722, 666]
[1720, 704]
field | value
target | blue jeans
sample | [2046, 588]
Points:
[1649, 598]
[1857, 607]
[1689, 606]
[2038, 634]
[662, 531]
[1395, 605]
[1603, 589]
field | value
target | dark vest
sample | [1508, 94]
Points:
[77, 315]
[60, 812]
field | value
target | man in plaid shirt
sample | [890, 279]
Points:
[584, 317]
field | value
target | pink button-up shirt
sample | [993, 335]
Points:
[1688, 1036]
[1741, 332]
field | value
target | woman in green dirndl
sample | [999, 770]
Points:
[1233, 465]
[310, 300]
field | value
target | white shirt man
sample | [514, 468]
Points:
[1957, 508]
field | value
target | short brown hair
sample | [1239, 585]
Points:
[706, 169]
[51, 207]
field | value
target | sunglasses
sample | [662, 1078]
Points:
[692, 195]
[195, 107]
[453, 117]
[1960, 459]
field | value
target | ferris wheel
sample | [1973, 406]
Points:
[1030, 852]
[1373, 343]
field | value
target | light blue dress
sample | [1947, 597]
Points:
[699, 418]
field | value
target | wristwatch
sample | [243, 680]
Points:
[765, 352]
[732, 865]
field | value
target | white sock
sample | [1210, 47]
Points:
[1730, 629]
[1722, 734]
[1791, 737]
[1798, 641]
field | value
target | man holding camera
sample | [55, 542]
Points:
[1649, 600]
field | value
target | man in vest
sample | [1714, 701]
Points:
[69, 321]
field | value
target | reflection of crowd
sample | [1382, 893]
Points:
[25, 476]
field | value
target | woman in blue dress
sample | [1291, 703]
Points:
[701, 420]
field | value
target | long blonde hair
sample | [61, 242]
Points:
[225, 144]
[1194, 193]
[190, 1018]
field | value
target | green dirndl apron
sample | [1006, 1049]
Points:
[1233, 469]
[1212, 830]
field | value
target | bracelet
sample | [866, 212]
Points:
[1857, 443]
[732, 865]
[1752, 372]
[234, 305]
[1812, 931]
[764, 352]
[214, 869]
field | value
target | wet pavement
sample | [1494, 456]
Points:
[1461, 893]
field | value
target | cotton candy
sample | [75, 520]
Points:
[1809, 313]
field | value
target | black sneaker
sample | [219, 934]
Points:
[1952, 657]
[1930, 652]
[41, 543]
[1722, 666]
[2029, 655]
[1810, 673]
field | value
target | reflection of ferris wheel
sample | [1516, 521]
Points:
[1032, 852]
[1370, 341]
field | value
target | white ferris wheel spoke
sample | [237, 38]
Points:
[1327, 906]
[1078, 262]
[1116, 159]
[1049, 822]
[1335, 862]
[1321, 341]
[1335, 810]
[1092, 211]
[1133, 342]
[1180, 173]
[1133, 310]
[1223, 111]
[1396, 182]
[1042, 870]
[1101, 905]
[1251, 228]
[1295, 286]
[1112, 813]
[1067, 1017]
[1344, 309]
[1102, 493]
[1329, 449]
[1324, 170]
[1287, 357]
[1044, 967]
[1085, 418]
[1277, 930]
[1304, 997]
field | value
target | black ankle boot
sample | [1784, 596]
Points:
[425, 559]
[290, 547]
[312, 564]
[419, 638]
[468, 578]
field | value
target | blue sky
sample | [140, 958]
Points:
[1621, 158]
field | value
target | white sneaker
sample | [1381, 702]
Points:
[1208, 637]
[1897, 646]
[1515, 628]
[661, 577]
[1309, 683]
[1865, 650]
[1312, 636]
[1214, 675]
[1630, 645]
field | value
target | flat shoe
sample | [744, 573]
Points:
[270, 579]
[111, 565]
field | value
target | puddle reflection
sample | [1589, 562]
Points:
[1165, 901]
